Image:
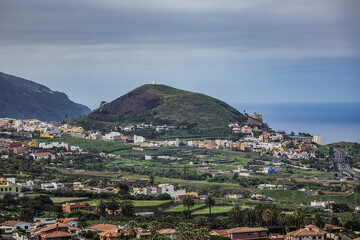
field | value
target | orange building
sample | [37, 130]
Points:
[72, 207]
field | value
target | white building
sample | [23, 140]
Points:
[321, 203]
[138, 139]
[317, 139]
[113, 136]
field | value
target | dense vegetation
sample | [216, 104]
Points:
[193, 114]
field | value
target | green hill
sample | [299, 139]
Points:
[24, 99]
[192, 113]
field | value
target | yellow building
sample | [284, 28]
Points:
[8, 187]
[77, 130]
[193, 194]
[46, 135]
[33, 143]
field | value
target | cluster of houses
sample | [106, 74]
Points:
[68, 229]
[277, 143]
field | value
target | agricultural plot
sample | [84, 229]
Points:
[215, 209]
[181, 208]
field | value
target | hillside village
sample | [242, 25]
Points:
[90, 179]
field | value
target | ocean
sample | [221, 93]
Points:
[334, 122]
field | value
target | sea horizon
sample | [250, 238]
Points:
[334, 121]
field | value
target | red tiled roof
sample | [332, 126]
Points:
[43, 154]
[113, 233]
[333, 227]
[103, 226]
[66, 220]
[166, 231]
[222, 232]
[52, 226]
[306, 232]
[10, 223]
[57, 234]
[247, 229]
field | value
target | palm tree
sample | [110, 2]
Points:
[210, 202]
[127, 208]
[113, 205]
[26, 215]
[154, 226]
[201, 234]
[188, 202]
[258, 212]
[267, 217]
[184, 231]
[131, 228]
[236, 214]
[300, 215]
[249, 215]
[102, 207]
[200, 221]
[282, 220]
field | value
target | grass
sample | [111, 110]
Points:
[215, 209]
[66, 199]
[181, 208]
[137, 203]
[151, 203]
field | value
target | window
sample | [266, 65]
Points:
[17, 189]
[2, 189]
[10, 189]
[5, 189]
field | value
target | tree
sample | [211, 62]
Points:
[26, 215]
[131, 228]
[151, 180]
[300, 215]
[210, 202]
[331, 152]
[113, 205]
[319, 220]
[200, 222]
[249, 214]
[188, 202]
[102, 103]
[154, 226]
[127, 208]
[282, 221]
[101, 207]
[267, 217]
[236, 214]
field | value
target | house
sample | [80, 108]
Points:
[57, 231]
[15, 225]
[72, 207]
[308, 233]
[99, 228]
[7, 187]
[253, 233]
[71, 222]
[43, 155]
[169, 232]
[160, 189]
[113, 234]
[322, 204]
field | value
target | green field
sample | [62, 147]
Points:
[215, 209]
[181, 208]
[66, 199]
[137, 203]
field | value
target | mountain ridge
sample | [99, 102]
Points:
[23, 99]
[162, 104]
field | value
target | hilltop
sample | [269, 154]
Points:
[192, 113]
[24, 99]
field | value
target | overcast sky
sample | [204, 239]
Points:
[238, 51]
